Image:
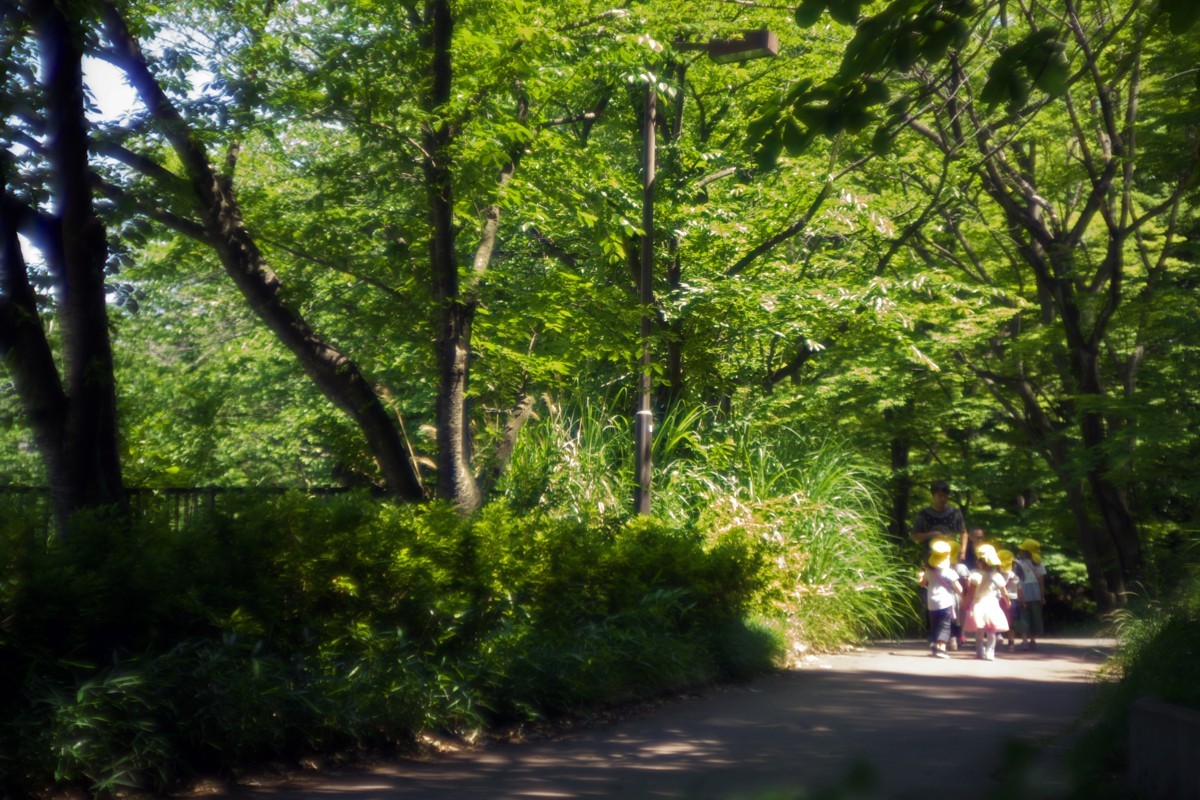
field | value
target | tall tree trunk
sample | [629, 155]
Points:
[455, 480]
[671, 390]
[30, 362]
[457, 295]
[1122, 543]
[1104, 572]
[75, 417]
[1113, 550]
[902, 485]
[333, 372]
[1051, 442]
[1110, 500]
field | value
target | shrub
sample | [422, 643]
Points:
[276, 625]
[1157, 643]
[266, 629]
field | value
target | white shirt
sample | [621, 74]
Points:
[940, 593]
[1031, 590]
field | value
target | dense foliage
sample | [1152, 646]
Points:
[1157, 643]
[141, 655]
[395, 247]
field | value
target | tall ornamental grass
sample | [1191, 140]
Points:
[832, 578]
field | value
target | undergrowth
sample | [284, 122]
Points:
[1158, 640]
[131, 656]
[137, 654]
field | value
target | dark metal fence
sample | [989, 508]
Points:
[175, 505]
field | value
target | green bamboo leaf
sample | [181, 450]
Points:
[797, 92]
[905, 53]
[761, 127]
[857, 117]
[874, 92]
[883, 141]
[1053, 73]
[766, 155]
[1019, 90]
[997, 88]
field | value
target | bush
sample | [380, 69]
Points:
[1157, 645]
[134, 656]
[757, 491]
[137, 654]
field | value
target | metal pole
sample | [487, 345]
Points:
[645, 417]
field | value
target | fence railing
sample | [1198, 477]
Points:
[176, 505]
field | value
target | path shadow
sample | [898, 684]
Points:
[882, 724]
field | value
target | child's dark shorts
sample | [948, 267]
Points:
[939, 624]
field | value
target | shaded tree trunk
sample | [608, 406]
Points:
[1105, 573]
[74, 416]
[457, 295]
[455, 314]
[902, 486]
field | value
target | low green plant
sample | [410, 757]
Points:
[1157, 643]
[270, 628]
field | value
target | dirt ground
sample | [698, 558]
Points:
[886, 721]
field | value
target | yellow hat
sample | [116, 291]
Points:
[1006, 559]
[955, 546]
[939, 553]
[987, 554]
[1034, 549]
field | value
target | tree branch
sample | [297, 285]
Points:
[795, 364]
[169, 219]
[787, 233]
[148, 167]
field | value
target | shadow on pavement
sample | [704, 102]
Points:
[887, 721]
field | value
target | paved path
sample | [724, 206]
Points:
[886, 721]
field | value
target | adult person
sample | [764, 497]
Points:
[939, 518]
[974, 540]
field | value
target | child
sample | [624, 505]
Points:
[1012, 588]
[941, 596]
[1033, 592]
[957, 641]
[987, 599]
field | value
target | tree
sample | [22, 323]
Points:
[221, 226]
[1084, 221]
[1040, 127]
[49, 199]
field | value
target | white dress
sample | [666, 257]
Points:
[986, 614]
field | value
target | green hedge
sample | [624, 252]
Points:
[134, 656]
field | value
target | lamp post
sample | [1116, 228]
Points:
[751, 44]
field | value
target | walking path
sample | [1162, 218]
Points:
[886, 721]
